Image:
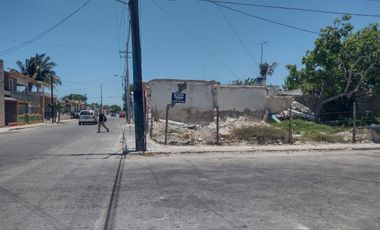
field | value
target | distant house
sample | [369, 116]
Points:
[18, 104]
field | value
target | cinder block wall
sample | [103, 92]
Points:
[202, 97]
[238, 101]
[198, 106]
[2, 105]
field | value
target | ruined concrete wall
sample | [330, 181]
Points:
[2, 103]
[277, 104]
[236, 101]
[202, 97]
[250, 101]
[199, 100]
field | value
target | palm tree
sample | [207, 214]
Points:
[40, 68]
[267, 69]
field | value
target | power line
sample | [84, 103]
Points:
[120, 23]
[64, 45]
[237, 35]
[40, 35]
[261, 18]
[293, 8]
[195, 39]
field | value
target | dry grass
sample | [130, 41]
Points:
[260, 134]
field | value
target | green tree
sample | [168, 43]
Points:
[342, 64]
[267, 69]
[40, 67]
[78, 97]
[115, 108]
[248, 81]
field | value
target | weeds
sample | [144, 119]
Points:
[311, 131]
[261, 134]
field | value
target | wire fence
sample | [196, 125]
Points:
[354, 120]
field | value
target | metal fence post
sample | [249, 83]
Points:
[217, 125]
[290, 139]
[354, 123]
[166, 123]
[151, 122]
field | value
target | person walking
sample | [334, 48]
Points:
[102, 120]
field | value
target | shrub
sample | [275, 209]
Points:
[324, 137]
[261, 134]
[312, 131]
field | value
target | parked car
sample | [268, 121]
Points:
[113, 114]
[121, 114]
[88, 116]
[74, 115]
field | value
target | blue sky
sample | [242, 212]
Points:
[188, 40]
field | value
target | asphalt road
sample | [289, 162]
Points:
[58, 177]
[67, 177]
[303, 190]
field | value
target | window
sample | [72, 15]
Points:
[11, 84]
[22, 88]
[86, 112]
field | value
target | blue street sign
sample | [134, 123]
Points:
[178, 98]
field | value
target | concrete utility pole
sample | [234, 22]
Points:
[137, 77]
[51, 99]
[127, 93]
[126, 98]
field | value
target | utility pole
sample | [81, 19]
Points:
[262, 50]
[126, 98]
[137, 76]
[126, 85]
[51, 98]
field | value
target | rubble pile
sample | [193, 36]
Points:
[180, 133]
[362, 135]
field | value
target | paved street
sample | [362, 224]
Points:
[303, 190]
[70, 177]
[57, 177]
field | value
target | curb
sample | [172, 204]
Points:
[253, 150]
[8, 129]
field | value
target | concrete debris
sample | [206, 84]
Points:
[180, 133]
[363, 135]
[298, 111]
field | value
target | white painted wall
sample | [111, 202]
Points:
[277, 104]
[198, 104]
[240, 98]
[200, 101]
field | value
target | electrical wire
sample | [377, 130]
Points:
[261, 18]
[125, 69]
[40, 35]
[63, 45]
[195, 39]
[292, 8]
[237, 35]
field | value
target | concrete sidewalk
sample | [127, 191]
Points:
[46, 123]
[157, 148]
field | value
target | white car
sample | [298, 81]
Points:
[88, 116]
